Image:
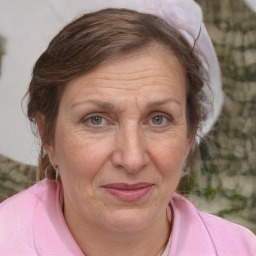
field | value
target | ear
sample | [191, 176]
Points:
[40, 121]
[190, 141]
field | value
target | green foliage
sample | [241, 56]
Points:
[239, 203]
[209, 192]
[188, 183]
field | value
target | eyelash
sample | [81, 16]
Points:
[167, 118]
[161, 118]
[90, 117]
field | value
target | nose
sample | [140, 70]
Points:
[130, 150]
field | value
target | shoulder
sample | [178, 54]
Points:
[24, 202]
[226, 237]
[229, 236]
[16, 219]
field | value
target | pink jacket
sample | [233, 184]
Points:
[32, 223]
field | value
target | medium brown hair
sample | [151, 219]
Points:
[95, 38]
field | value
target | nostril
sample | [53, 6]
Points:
[130, 153]
[131, 161]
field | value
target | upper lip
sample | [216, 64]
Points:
[125, 186]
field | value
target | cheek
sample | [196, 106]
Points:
[169, 155]
[78, 155]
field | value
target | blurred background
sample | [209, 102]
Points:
[225, 183]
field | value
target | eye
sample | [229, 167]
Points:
[96, 121]
[159, 120]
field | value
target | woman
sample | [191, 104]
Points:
[118, 98]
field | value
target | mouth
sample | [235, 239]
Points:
[128, 192]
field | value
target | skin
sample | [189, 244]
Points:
[140, 135]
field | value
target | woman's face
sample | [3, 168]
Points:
[121, 140]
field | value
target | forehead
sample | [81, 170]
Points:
[153, 71]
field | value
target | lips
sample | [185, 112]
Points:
[128, 192]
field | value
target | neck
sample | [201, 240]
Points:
[98, 241]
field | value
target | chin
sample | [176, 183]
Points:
[129, 220]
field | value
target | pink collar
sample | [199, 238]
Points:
[190, 235]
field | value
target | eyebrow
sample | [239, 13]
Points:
[151, 105]
[108, 105]
[100, 104]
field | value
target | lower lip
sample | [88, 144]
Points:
[129, 195]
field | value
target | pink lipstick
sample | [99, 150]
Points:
[129, 192]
